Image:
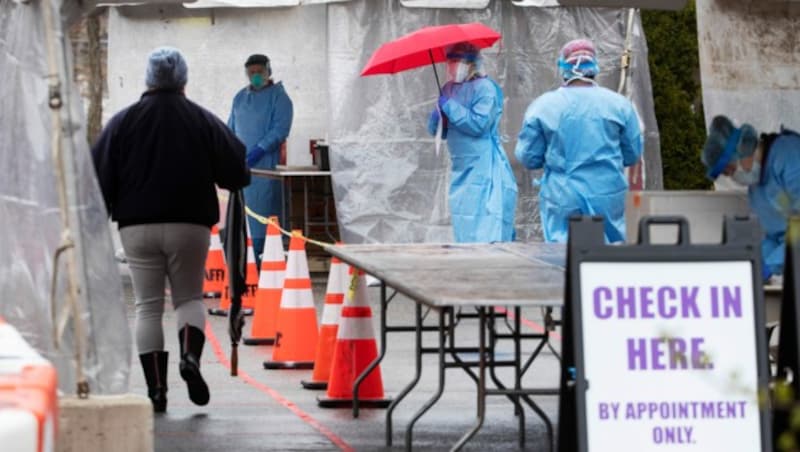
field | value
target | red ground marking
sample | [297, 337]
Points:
[288, 404]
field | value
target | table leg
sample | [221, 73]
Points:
[290, 208]
[492, 368]
[381, 354]
[518, 374]
[284, 221]
[327, 214]
[417, 375]
[451, 335]
[439, 390]
[481, 382]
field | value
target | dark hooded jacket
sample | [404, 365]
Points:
[158, 161]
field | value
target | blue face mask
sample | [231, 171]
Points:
[257, 80]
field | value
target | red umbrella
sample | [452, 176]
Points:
[426, 46]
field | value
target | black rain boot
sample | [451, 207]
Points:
[154, 365]
[192, 340]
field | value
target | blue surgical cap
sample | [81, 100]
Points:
[463, 51]
[726, 144]
[166, 69]
[578, 58]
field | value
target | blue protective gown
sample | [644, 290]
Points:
[262, 117]
[483, 189]
[582, 136]
[777, 196]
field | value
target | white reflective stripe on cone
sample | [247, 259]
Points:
[331, 314]
[335, 283]
[215, 243]
[297, 299]
[19, 430]
[297, 266]
[273, 249]
[351, 328]
[251, 258]
[271, 279]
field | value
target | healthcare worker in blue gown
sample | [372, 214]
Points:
[583, 135]
[483, 190]
[261, 117]
[769, 166]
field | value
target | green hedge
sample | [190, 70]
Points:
[675, 72]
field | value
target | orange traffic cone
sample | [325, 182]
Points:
[249, 296]
[215, 267]
[334, 297]
[270, 286]
[296, 335]
[224, 301]
[355, 350]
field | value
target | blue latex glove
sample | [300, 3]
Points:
[435, 116]
[433, 123]
[766, 273]
[443, 100]
[254, 155]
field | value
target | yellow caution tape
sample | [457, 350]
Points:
[264, 220]
[351, 291]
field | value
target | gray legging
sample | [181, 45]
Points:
[156, 252]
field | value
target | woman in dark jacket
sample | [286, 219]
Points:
[157, 162]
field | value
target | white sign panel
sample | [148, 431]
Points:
[670, 356]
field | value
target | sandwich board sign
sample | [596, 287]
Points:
[667, 346]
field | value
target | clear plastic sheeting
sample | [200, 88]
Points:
[389, 184]
[445, 3]
[30, 217]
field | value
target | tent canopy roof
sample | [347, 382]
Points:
[452, 4]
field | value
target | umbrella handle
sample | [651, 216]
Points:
[234, 360]
[439, 86]
[435, 73]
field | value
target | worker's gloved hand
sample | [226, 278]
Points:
[254, 155]
[435, 117]
[442, 100]
[766, 273]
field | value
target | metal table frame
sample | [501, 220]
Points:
[452, 356]
[285, 176]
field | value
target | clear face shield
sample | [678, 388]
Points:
[257, 75]
[458, 70]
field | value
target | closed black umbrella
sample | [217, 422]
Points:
[236, 260]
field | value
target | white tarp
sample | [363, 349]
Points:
[216, 43]
[30, 219]
[389, 185]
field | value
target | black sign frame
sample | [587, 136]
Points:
[789, 340]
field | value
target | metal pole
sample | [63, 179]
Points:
[62, 166]
[626, 51]
[436, 74]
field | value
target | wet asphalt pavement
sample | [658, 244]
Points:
[264, 410]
